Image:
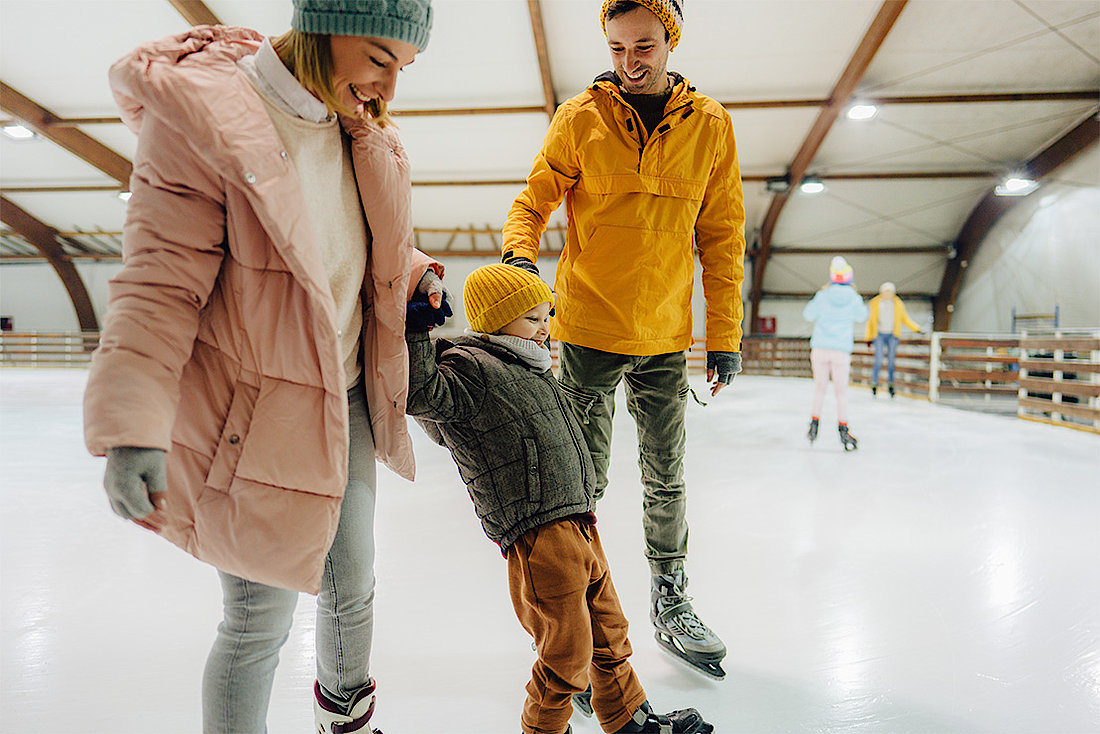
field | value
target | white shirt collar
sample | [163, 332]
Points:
[266, 71]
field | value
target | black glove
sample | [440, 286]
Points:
[522, 262]
[726, 364]
[132, 475]
[421, 316]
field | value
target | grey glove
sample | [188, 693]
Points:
[727, 364]
[522, 262]
[132, 475]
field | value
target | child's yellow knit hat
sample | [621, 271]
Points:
[496, 295]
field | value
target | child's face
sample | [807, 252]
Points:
[533, 325]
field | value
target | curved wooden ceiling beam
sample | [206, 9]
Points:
[838, 98]
[77, 142]
[195, 12]
[992, 207]
[44, 237]
[550, 99]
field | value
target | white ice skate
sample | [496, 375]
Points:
[331, 718]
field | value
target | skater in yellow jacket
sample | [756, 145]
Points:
[884, 332]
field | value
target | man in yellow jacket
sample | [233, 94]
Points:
[649, 174]
[883, 332]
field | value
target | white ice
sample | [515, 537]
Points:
[940, 579]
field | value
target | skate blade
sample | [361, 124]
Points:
[584, 706]
[711, 669]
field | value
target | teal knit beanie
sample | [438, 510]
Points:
[402, 20]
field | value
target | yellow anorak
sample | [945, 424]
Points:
[639, 206]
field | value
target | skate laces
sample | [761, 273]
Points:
[678, 610]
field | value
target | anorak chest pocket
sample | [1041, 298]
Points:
[580, 400]
[233, 436]
[531, 470]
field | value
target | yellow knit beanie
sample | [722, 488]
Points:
[496, 295]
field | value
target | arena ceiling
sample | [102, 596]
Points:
[966, 93]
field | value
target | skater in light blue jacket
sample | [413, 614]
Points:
[835, 310]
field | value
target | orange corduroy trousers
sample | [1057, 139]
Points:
[562, 593]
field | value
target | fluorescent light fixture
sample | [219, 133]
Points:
[1016, 186]
[811, 185]
[862, 111]
[18, 132]
[778, 184]
[124, 195]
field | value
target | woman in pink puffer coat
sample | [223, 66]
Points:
[253, 363]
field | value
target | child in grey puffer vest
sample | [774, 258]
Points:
[490, 398]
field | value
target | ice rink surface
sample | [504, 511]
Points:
[943, 578]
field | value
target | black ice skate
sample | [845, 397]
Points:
[891, 389]
[583, 701]
[874, 390]
[684, 721]
[812, 433]
[679, 631]
[848, 440]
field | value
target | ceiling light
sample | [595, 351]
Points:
[125, 195]
[811, 185]
[862, 111]
[778, 184]
[18, 132]
[1016, 186]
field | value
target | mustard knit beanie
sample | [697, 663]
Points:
[496, 295]
[670, 13]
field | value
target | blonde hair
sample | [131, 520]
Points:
[308, 56]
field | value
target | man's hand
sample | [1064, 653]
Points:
[721, 367]
[136, 480]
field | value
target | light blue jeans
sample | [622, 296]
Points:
[241, 667]
[884, 344]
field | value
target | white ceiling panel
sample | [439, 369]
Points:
[57, 52]
[767, 138]
[86, 211]
[941, 46]
[35, 161]
[473, 146]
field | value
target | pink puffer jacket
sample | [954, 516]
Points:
[220, 344]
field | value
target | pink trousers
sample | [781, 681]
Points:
[835, 364]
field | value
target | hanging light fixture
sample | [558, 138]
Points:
[862, 111]
[1016, 185]
[811, 185]
[18, 132]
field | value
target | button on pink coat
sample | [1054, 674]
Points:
[220, 343]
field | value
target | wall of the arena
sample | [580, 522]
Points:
[1044, 253]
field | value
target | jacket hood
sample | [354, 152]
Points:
[613, 78]
[838, 294]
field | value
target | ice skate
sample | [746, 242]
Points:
[331, 718]
[874, 390]
[848, 440]
[891, 389]
[679, 630]
[583, 701]
[683, 721]
[812, 433]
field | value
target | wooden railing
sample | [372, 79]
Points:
[1060, 378]
[47, 349]
[911, 366]
[972, 365]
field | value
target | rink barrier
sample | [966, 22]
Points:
[1060, 378]
[47, 349]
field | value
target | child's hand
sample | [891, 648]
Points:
[421, 315]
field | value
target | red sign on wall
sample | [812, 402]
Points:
[765, 324]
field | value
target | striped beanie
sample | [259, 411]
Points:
[840, 271]
[670, 13]
[498, 294]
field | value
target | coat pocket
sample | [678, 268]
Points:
[233, 436]
[531, 461]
